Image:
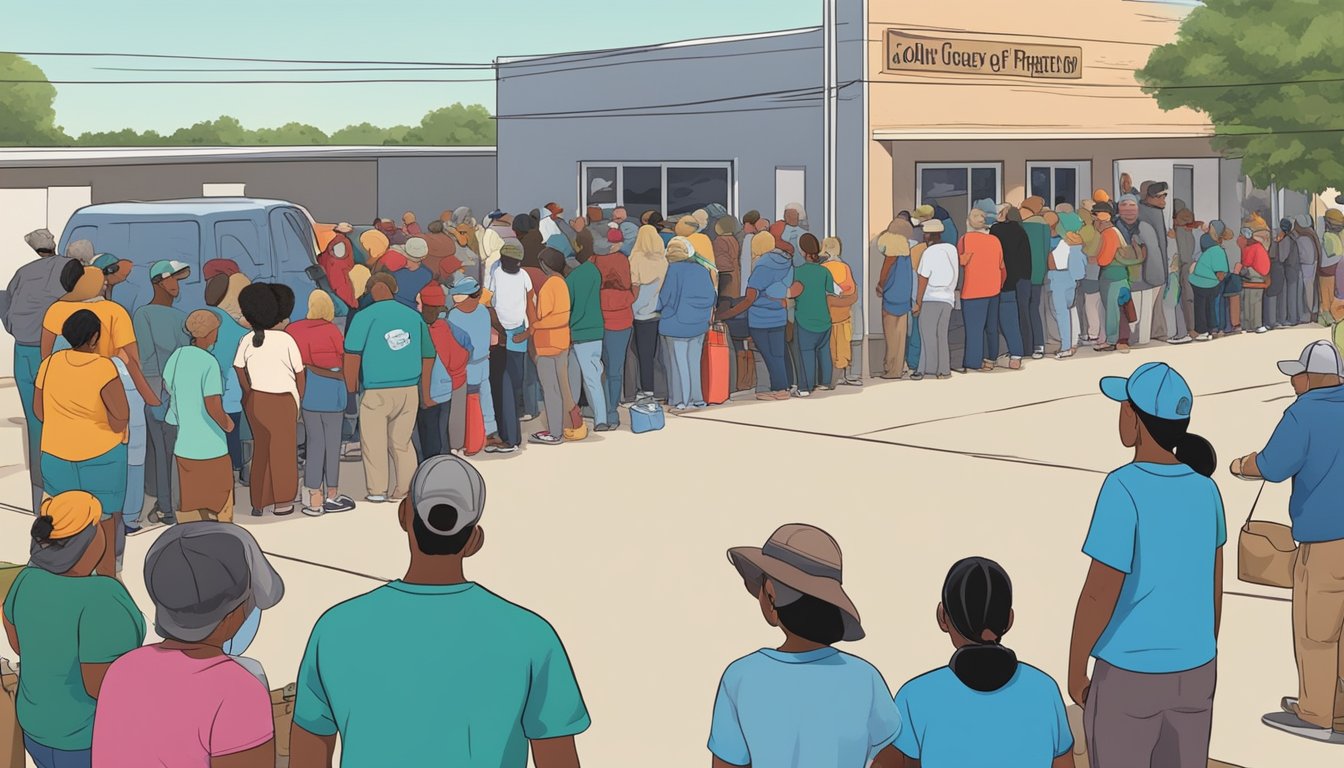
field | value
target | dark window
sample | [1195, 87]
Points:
[985, 184]
[689, 189]
[1066, 187]
[642, 188]
[1040, 182]
[599, 185]
[237, 240]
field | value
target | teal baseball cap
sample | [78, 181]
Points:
[106, 262]
[167, 268]
[1154, 388]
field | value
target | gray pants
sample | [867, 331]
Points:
[1310, 296]
[1135, 719]
[162, 438]
[935, 359]
[322, 467]
[1292, 296]
[1252, 308]
[551, 370]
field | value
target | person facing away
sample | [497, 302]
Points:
[159, 328]
[513, 689]
[209, 583]
[67, 625]
[765, 303]
[935, 297]
[388, 351]
[195, 388]
[230, 336]
[1305, 448]
[896, 286]
[686, 307]
[804, 703]
[1150, 607]
[1018, 715]
[812, 316]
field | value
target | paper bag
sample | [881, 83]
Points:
[11, 735]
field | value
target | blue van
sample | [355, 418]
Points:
[270, 240]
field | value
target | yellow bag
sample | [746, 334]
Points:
[11, 735]
[1266, 552]
[576, 433]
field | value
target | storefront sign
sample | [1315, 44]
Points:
[912, 53]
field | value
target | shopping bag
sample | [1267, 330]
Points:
[646, 416]
[282, 712]
[11, 735]
[714, 367]
[1266, 552]
[475, 435]
[746, 371]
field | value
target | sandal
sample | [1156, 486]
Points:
[1105, 348]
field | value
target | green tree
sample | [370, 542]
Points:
[289, 134]
[458, 125]
[27, 117]
[126, 137]
[224, 131]
[1270, 77]
[368, 134]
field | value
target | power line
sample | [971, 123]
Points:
[665, 106]
[268, 69]
[254, 82]
[92, 54]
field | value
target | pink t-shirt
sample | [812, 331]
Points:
[201, 708]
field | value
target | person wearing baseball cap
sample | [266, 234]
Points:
[510, 287]
[69, 624]
[469, 318]
[765, 712]
[210, 583]
[496, 672]
[160, 328]
[1306, 449]
[195, 388]
[1150, 605]
[935, 296]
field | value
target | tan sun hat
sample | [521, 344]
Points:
[804, 558]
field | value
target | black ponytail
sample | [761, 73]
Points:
[1174, 435]
[260, 305]
[42, 528]
[978, 603]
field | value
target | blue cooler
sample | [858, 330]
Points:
[646, 416]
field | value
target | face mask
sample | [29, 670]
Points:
[238, 644]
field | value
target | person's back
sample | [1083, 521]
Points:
[493, 676]
[1306, 447]
[940, 265]
[812, 310]
[771, 276]
[33, 289]
[949, 725]
[1161, 525]
[392, 340]
[984, 266]
[1016, 249]
[585, 318]
[688, 299]
[159, 332]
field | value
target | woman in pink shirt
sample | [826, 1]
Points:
[209, 583]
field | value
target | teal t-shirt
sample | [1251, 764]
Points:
[585, 313]
[811, 310]
[393, 343]
[1211, 262]
[945, 724]
[62, 622]
[191, 375]
[468, 680]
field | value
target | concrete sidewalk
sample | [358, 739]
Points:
[908, 476]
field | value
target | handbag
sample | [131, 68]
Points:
[646, 416]
[1266, 552]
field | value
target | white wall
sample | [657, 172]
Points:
[1205, 204]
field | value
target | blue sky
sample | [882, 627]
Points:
[409, 30]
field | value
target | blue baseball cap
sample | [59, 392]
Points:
[1155, 388]
[465, 287]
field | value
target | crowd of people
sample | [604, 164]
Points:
[1147, 620]
[1110, 274]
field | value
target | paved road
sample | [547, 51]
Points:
[909, 477]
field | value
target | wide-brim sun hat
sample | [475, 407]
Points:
[805, 559]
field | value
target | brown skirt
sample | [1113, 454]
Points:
[274, 419]
[206, 487]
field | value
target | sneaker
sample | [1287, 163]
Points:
[1180, 340]
[376, 498]
[314, 511]
[545, 438]
[851, 382]
[283, 511]
[1064, 354]
[1204, 337]
[1038, 353]
[917, 376]
[697, 405]
[338, 504]
[604, 428]
[1262, 329]
[503, 447]
[1289, 722]
[801, 393]
[527, 417]
[493, 440]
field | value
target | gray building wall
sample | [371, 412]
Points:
[430, 185]
[678, 103]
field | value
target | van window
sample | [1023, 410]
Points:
[150, 241]
[89, 233]
[236, 239]
[292, 239]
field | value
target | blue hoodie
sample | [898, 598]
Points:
[772, 277]
[686, 300]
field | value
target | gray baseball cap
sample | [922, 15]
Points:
[197, 573]
[452, 481]
[1317, 357]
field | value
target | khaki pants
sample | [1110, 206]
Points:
[895, 329]
[1318, 617]
[842, 349]
[386, 424]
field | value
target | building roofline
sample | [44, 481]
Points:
[24, 157]
[899, 134]
[506, 60]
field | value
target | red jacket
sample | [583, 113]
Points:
[338, 269]
[616, 295]
[453, 355]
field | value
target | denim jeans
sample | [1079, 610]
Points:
[1110, 298]
[976, 314]
[646, 350]
[683, 378]
[1035, 327]
[1061, 294]
[585, 363]
[478, 375]
[511, 366]
[27, 359]
[770, 343]
[615, 347]
[46, 757]
[912, 344]
[815, 351]
[235, 440]
[1010, 325]
[1206, 309]
[134, 504]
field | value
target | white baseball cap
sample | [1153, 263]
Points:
[1318, 357]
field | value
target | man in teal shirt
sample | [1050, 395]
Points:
[585, 330]
[389, 343]
[470, 680]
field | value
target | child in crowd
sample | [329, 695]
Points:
[1018, 714]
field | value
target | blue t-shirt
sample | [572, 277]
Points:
[1161, 525]
[476, 325]
[410, 282]
[820, 709]
[226, 346]
[944, 724]
[1308, 446]
[468, 680]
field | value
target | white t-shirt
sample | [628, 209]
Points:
[510, 299]
[940, 265]
[274, 366]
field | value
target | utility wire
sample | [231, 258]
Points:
[91, 54]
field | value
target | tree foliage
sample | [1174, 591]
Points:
[1270, 77]
[28, 118]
